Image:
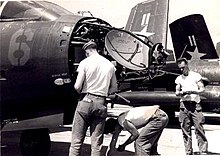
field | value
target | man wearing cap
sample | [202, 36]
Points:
[188, 86]
[96, 79]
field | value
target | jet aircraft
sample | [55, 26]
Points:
[41, 49]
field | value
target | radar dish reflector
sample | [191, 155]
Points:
[127, 50]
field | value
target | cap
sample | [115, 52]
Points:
[89, 44]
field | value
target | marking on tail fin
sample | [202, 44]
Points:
[196, 55]
[143, 32]
[145, 19]
[192, 40]
[190, 36]
[144, 22]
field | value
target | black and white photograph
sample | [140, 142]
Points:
[109, 77]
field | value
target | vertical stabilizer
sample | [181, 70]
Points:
[150, 17]
[191, 38]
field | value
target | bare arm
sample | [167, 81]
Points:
[79, 81]
[201, 88]
[178, 90]
[134, 134]
[113, 84]
[111, 148]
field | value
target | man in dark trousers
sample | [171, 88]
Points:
[188, 86]
[95, 81]
[149, 119]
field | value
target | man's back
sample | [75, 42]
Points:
[98, 72]
[138, 116]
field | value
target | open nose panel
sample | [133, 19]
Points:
[127, 50]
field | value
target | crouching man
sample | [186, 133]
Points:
[149, 119]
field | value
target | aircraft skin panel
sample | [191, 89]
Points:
[17, 54]
[36, 123]
[39, 58]
[36, 54]
[208, 69]
[191, 38]
[26, 59]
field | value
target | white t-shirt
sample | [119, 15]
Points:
[189, 83]
[98, 73]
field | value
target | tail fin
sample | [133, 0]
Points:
[149, 17]
[191, 38]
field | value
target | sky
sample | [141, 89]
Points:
[113, 11]
[117, 12]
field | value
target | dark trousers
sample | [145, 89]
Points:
[191, 115]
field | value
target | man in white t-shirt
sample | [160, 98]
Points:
[95, 81]
[188, 86]
[145, 124]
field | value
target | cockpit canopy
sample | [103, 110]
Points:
[30, 10]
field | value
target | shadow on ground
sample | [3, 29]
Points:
[63, 149]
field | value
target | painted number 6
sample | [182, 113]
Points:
[19, 51]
